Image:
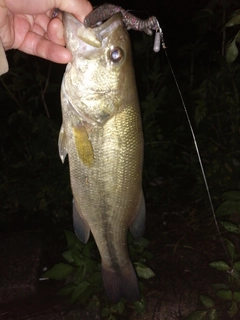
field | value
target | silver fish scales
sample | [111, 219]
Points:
[102, 135]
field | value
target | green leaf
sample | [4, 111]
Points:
[237, 38]
[231, 52]
[233, 21]
[118, 307]
[139, 306]
[80, 274]
[77, 258]
[91, 264]
[143, 271]
[67, 255]
[88, 248]
[197, 315]
[72, 239]
[232, 195]
[79, 291]
[67, 290]
[147, 255]
[227, 208]
[233, 309]
[218, 286]
[225, 294]
[230, 248]
[220, 265]
[207, 301]
[236, 266]
[95, 279]
[212, 314]
[236, 296]
[231, 227]
[142, 242]
[59, 271]
[89, 292]
[235, 276]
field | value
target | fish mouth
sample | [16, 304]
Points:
[93, 36]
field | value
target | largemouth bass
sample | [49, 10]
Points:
[102, 135]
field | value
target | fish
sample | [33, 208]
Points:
[102, 135]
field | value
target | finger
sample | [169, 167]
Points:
[36, 45]
[42, 20]
[55, 31]
[79, 8]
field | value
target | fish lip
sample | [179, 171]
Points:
[107, 23]
[67, 17]
[73, 27]
[113, 22]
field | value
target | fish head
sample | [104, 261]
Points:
[100, 70]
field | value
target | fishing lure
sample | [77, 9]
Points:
[107, 10]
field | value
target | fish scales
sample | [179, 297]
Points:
[100, 181]
[102, 135]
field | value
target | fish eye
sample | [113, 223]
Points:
[116, 55]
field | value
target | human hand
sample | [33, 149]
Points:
[26, 25]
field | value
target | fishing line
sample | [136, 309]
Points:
[104, 12]
[196, 147]
[152, 23]
[158, 43]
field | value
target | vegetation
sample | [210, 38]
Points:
[35, 190]
[34, 185]
[227, 292]
[82, 275]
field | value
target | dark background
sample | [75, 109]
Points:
[35, 193]
[31, 114]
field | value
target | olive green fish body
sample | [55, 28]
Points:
[102, 135]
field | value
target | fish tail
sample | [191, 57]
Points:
[122, 283]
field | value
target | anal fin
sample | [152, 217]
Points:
[81, 226]
[137, 227]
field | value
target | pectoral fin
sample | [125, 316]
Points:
[83, 145]
[62, 144]
[81, 227]
[137, 227]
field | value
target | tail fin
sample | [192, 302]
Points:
[122, 283]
